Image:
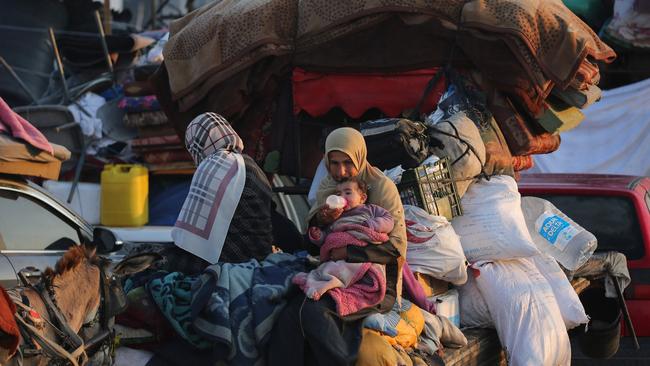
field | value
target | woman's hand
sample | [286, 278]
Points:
[327, 215]
[338, 254]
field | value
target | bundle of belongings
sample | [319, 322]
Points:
[24, 150]
[157, 143]
[485, 116]
[225, 313]
[542, 67]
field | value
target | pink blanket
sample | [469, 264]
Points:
[352, 286]
[18, 127]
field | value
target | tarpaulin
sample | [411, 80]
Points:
[317, 93]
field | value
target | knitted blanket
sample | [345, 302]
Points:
[353, 286]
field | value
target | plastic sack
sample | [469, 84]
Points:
[463, 95]
[556, 234]
[573, 313]
[461, 142]
[525, 313]
[474, 312]
[492, 226]
[433, 246]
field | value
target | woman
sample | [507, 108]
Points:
[310, 332]
[226, 216]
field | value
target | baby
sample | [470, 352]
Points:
[353, 286]
[355, 192]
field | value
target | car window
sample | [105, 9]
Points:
[27, 224]
[613, 220]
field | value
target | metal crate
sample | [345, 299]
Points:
[431, 188]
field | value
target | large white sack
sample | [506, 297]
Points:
[492, 226]
[525, 313]
[474, 312]
[434, 248]
[573, 313]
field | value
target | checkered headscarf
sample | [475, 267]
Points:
[208, 133]
[216, 187]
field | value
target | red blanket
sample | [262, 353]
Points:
[9, 333]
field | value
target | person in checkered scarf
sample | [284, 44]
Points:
[226, 216]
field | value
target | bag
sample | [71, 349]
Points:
[525, 313]
[474, 312]
[460, 140]
[393, 142]
[573, 313]
[433, 246]
[492, 226]
[463, 95]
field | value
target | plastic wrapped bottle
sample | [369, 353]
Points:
[336, 202]
[556, 234]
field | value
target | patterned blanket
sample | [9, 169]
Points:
[231, 305]
[212, 44]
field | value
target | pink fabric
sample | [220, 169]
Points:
[359, 296]
[18, 127]
[350, 234]
[415, 290]
[340, 279]
[330, 275]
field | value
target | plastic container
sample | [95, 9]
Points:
[125, 195]
[556, 234]
[85, 201]
[601, 337]
[334, 201]
[432, 188]
[447, 305]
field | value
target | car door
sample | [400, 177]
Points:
[33, 235]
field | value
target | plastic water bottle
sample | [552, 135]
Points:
[556, 234]
[336, 202]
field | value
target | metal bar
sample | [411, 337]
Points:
[102, 36]
[59, 63]
[20, 82]
[626, 313]
[77, 172]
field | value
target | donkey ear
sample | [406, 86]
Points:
[90, 250]
[136, 263]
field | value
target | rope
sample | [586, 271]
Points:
[48, 345]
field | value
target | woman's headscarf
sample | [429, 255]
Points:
[381, 190]
[216, 187]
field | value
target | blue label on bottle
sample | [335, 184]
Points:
[551, 228]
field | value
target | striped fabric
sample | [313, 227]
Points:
[216, 188]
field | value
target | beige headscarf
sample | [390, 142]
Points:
[381, 190]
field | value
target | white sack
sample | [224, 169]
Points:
[492, 226]
[437, 252]
[474, 312]
[525, 313]
[573, 313]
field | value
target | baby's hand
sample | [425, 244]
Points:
[327, 215]
[315, 233]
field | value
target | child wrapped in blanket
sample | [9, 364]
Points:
[353, 286]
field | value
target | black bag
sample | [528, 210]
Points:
[393, 141]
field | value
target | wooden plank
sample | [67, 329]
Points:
[483, 348]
